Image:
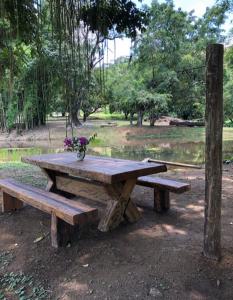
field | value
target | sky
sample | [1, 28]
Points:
[199, 7]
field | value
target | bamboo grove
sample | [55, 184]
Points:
[53, 58]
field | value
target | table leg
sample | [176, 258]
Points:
[51, 179]
[120, 206]
[116, 197]
[52, 183]
[132, 213]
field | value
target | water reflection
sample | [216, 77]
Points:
[184, 145]
[185, 152]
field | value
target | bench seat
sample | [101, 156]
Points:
[162, 187]
[66, 214]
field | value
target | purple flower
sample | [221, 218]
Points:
[83, 141]
[68, 142]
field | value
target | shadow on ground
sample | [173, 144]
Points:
[158, 257]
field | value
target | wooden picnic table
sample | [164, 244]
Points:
[101, 179]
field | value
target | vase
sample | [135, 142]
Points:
[80, 155]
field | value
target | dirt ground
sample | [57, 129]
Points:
[159, 257]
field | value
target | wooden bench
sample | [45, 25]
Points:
[66, 214]
[162, 187]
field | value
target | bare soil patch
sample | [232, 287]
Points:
[159, 257]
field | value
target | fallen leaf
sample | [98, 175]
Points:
[40, 238]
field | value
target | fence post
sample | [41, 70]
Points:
[213, 151]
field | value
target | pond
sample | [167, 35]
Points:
[176, 144]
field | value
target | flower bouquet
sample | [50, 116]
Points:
[78, 144]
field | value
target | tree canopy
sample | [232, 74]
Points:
[52, 59]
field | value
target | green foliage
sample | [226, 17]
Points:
[52, 59]
[18, 285]
[171, 55]
[94, 98]
[120, 16]
[5, 259]
[49, 52]
[228, 87]
[22, 18]
[11, 115]
[21, 287]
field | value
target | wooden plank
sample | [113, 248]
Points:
[164, 184]
[84, 188]
[10, 203]
[106, 170]
[109, 194]
[213, 151]
[171, 163]
[52, 184]
[65, 209]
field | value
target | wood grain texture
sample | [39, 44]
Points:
[70, 211]
[62, 233]
[132, 214]
[116, 208]
[172, 163]
[164, 184]
[102, 169]
[10, 203]
[161, 200]
[116, 197]
[54, 231]
[51, 183]
[113, 216]
[84, 188]
[101, 179]
[213, 151]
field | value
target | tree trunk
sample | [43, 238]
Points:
[75, 108]
[213, 152]
[152, 120]
[85, 115]
[40, 118]
[140, 118]
[131, 118]
[74, 118]
[126, 115]
[186, 123]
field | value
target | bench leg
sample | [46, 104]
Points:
[10, 203]
[161, 200]
[62, 233]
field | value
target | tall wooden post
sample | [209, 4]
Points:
[213, 151]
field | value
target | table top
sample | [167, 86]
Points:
[98, 168]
